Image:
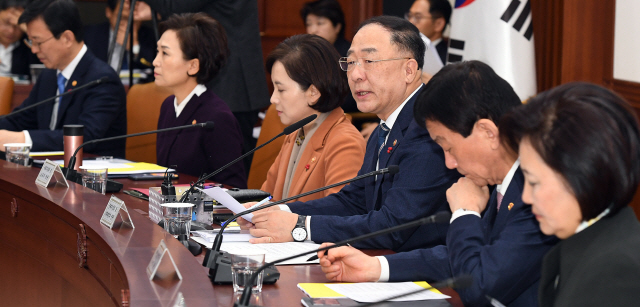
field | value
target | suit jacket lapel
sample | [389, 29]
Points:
[313, 152]
[370, 160]
[394, 140]
[549, 276]
[185, 118]
[513, 197]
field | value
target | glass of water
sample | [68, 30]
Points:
[177, 219]
[94, 178]
[18, 153]
[243, 267]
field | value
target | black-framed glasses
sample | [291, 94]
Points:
[349, 63]
[30, 43]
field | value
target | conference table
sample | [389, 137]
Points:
[55, 252]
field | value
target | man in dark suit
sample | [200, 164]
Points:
[241, 83]
[54, 29]
[15, 56]
[504, 248]
[432, 17]
[97, 38]
[387, 84]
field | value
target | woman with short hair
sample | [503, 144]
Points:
[579, 147]
[191, 51]
[307, 80]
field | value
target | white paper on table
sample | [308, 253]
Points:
[101, 164]
[208, 236]
[369, 292]
[228, 201]
[274, 251]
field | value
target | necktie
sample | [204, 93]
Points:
[382, 135]
[54, 114]
[500, 196]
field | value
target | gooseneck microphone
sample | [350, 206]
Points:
[440, 217]
[288, 130]
[213, 257]
[72, 161]
[92, 83]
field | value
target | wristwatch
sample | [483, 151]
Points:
[299, 233]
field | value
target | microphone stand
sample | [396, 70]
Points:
[440, 217]
[215, 257]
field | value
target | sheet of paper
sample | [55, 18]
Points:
[273, 251]
[45, 153]
[226, 200]
[236, 236]
[368, 292]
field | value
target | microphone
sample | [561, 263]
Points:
[94, 82]
[214, 257]
[440, 217]
[460, 282]
[290, 129]
[72, 161]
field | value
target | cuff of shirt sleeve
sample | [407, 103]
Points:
[384, 269]
[308, 225]
[27, 138]
[460, 212]
[285, 208]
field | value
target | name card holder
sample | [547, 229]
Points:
[161, 250]
[115, 207]
[179, 302]
[51, 170]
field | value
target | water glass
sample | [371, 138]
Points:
[177, 219]
[94, 178]
[243, 267]
[18, 153]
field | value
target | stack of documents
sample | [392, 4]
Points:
[369, 292]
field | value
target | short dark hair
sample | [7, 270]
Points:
[6, 4]
[201, 37]
[403, 34]
[440, 9]
[310, 59]
[329, 9]
[112, 4]
[462, 93]
[58, 15]
[589, 135]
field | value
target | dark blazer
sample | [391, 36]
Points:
[364, 206]
[198, 151]
[502, 251]
[442, 47]
[21, 58]
[96, 37]
[100, 108]
[599, 266]
[241, 83]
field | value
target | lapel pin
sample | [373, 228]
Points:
[395, 142]
[313, 160]
[194, 122]
[389, 149]
[510, 206]
[74, 83]
[307, 166]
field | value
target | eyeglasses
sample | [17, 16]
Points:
[30, 43]
[417, 17]
[348, 64]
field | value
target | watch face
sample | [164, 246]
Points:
[299, 234]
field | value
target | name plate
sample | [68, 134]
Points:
[115, 207]
[161, 250]
[50, 170]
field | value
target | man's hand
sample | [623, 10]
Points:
[244, 224]
[273, 226]
[465, 194]
[11, 137]
[347, 264]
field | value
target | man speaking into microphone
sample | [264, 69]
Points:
[54, 32]
[383, 70]
[502, 250]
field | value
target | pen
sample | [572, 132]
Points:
[315, 257]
